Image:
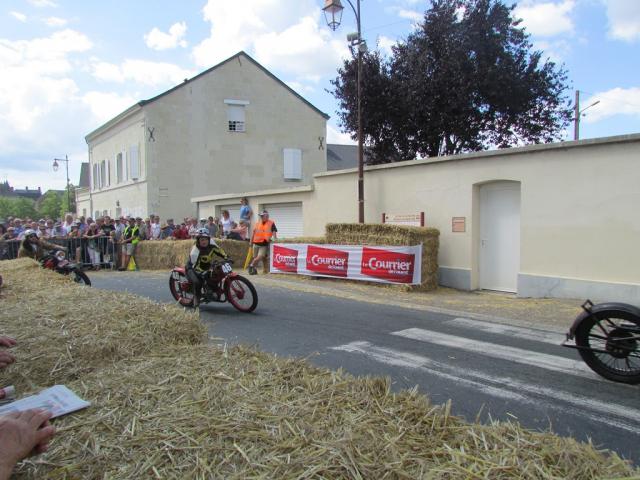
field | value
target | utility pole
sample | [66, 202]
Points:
[576, 117]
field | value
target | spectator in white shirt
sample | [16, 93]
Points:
[227, 223]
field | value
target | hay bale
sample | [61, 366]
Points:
[198, 412]
[66, 331]
[384, 234]
[161, 410]
[164, 255]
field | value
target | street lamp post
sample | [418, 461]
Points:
[578, 113]
[333, 15]
[55, 169]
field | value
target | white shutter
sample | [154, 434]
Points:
[287, 217]
[134, 163]
[292, 164]
[108, 173]
[126, 159]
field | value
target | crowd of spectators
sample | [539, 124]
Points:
[95, 241]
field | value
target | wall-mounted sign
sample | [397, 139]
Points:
[458, 224]
[406, 219]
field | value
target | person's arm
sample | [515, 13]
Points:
[23, 434]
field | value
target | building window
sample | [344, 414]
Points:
[235, 115]
[134, 162]
[119, 168]
[103, 173]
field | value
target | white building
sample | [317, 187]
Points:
[234, 127]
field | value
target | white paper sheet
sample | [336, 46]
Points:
[59, 400]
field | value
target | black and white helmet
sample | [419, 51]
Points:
[202, 232]
[29, 232]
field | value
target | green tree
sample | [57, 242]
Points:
[50, 205]
[466, 80]
[64, 201]
[17, 207]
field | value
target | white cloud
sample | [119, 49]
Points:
[624, 19]
[142, 72]
[412, 15]
[158, 40]
[19, 16]
[55, 22]
[36, 94]
[336, 136]
[300, 88]
[106, 105]
[556, 50]
[302, 49]
[284, 35]
[546, 19]
[385, 44]
[617, 101]
[43, 3]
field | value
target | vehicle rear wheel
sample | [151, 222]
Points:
[610, 345]
[241, 294]
[180, 288]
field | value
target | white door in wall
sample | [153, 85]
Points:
[499, 259]
[287, 217]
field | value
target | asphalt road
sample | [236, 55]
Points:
[488, 370]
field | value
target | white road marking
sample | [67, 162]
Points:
[595, 410]
[518, 355]
[409, 360]
[553, 338]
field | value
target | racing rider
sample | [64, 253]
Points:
[200, 260]
[35, 247]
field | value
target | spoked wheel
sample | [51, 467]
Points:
[241, 294]
[610, 344]
[81, 277]
[181, 290]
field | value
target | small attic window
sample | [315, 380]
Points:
[236, 115]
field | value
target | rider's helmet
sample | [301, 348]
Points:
[202, 232]
[28, 233]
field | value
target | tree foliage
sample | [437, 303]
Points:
[50, 205]
[17, 207]
[466, 80]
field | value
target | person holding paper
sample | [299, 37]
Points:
[23, 434]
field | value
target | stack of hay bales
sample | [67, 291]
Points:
[166, 406]
[382, 234]
[65, 331]
[166, 254]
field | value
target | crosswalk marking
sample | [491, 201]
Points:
[503, 387]
[527, 333]
[541, 360]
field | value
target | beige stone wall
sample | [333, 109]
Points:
[579, 207]
[128, 197]
[194, 153]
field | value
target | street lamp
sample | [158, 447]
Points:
[578, 113]
[55, 169]
[333, 15]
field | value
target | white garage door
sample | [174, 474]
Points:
[234, 211]
[288, 218]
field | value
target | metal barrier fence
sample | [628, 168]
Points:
[102, 252]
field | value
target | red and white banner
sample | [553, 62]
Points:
[373, 264]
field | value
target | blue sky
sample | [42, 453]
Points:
[69, 65]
